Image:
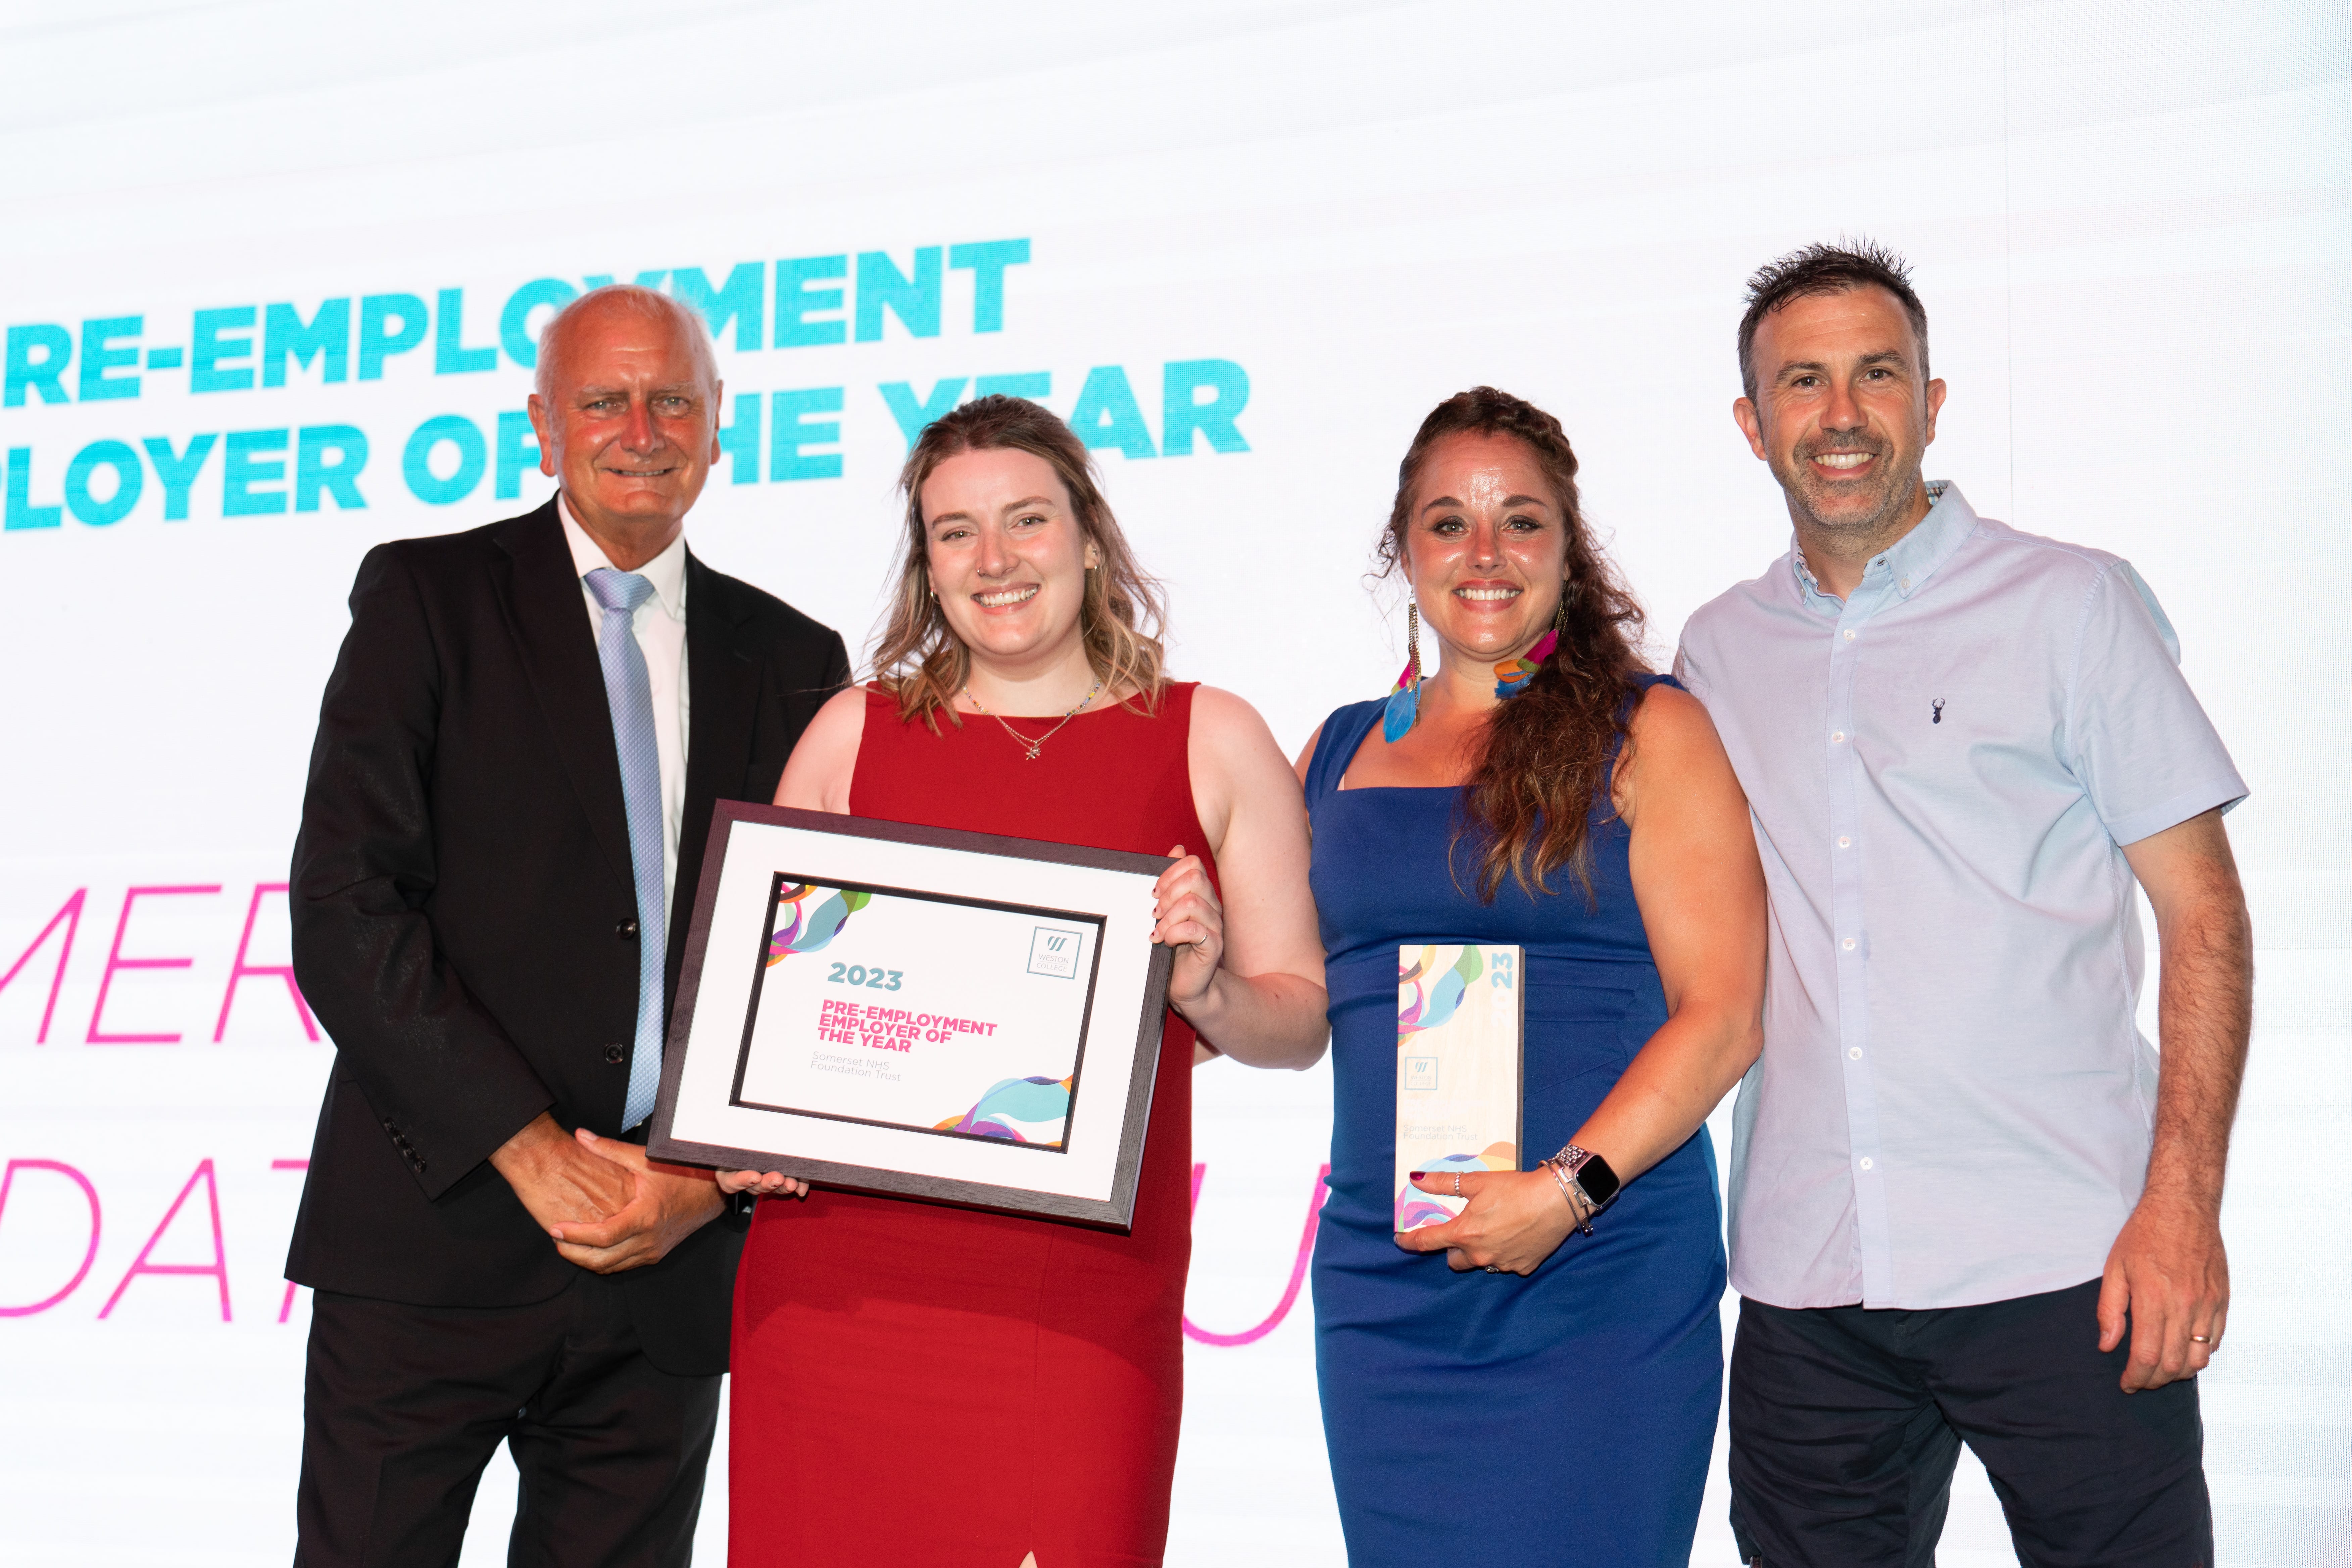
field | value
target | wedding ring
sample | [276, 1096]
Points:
[2198, 1340]
[1457, 1183]
[1494, 1268]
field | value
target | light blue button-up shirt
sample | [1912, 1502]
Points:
[1954, 1103]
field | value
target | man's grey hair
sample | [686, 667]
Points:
[650, 302]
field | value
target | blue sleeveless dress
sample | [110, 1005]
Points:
[1564, 1419]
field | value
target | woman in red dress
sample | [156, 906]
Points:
[927, 1385]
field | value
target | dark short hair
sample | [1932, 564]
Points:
[1826, 269]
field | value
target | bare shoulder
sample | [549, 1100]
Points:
[1228, 730]
[817, 778]
[1222, 714]
[843, 718]
[1669, 717]
[1237, 766]
[1672, 753]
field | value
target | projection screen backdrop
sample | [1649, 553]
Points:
[271, 277]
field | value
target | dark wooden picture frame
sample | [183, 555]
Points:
[1116, 1213]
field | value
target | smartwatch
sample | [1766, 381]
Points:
[1596, 1183]
[1594, 1179]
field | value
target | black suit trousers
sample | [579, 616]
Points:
[403, 1405]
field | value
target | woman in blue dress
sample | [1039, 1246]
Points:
[1535, 1381]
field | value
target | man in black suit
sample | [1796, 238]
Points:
[515, 762]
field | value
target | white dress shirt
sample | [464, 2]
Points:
[1954, 1103]
[660, 628]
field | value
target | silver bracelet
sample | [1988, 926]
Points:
[1563, 1176]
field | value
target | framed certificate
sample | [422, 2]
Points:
[1460, 1027]
[918, 1012]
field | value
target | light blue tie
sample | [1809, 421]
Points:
[630, 693]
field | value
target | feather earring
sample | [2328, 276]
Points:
[1404, 702]
[1512, 675]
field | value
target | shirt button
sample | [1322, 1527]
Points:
[1849, 944]
[625, 930]
[1844, 842]
[1866, 1163]
[1837, 735]
[1906, 585]
[1849, 634]
[613, 1054]
[1854, 1051]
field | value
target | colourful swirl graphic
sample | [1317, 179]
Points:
[1039, 1104]
[1416, 1208]
[1425, 1001]
[807, 933]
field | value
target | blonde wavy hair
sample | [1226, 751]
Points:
[918, 658]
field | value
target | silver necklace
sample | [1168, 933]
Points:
[1029, 747]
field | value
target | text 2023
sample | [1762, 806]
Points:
[872, 979]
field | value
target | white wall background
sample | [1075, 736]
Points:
[2130, 225]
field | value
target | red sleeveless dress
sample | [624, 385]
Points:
[919, 1384]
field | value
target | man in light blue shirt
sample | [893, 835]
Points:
[1966, 1205]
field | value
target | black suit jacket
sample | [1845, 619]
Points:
[464, 912]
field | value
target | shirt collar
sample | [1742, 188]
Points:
[666, 572]
[1903, 568]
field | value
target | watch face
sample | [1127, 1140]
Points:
[1599, 1182]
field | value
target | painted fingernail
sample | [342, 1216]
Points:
[1417, 1176]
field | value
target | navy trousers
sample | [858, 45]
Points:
[1846, 1422]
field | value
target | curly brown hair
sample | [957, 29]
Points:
[1551, 749]
[920, 660]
